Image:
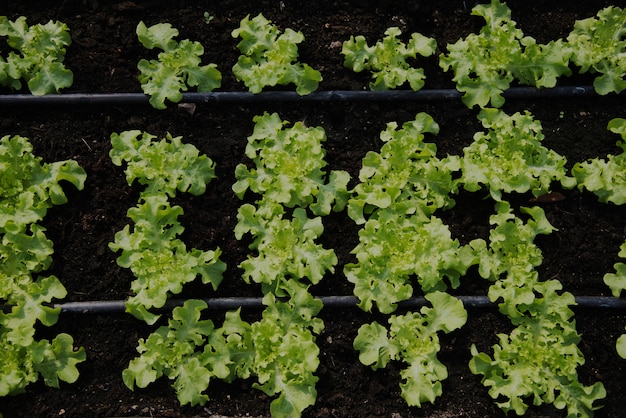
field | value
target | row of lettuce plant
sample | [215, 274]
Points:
[401, 188]
[28, 188]
[484, 64]
[606, 178]
[279, 349]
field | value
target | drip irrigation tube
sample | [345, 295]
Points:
[118, 306]
[288, 96]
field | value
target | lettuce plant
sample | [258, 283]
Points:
[510, 157]
[28, 188]
[538, 360]
[177, 67]
[286, 248]
[159, 260]
[387, 59]
[606, 178]
[485, 64]
[405, 176]
[598, 47]
[39, 58]
[289, 167]
[413, 338]
[270, 58]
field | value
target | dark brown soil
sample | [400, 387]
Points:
[104, 56]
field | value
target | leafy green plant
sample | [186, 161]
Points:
[289, 167]
[598, 47]
[400, 189]
[177, 67]
[510, 157]
[286, 248]
[159, 260]
[28, 188]
[39, 61]
[538, 360]
[413, 338]
[270, 58]
[387, 59]
[485, 64]
[606, 178]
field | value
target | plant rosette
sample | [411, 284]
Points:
[387, 59]
[177, 67]
[270, 58]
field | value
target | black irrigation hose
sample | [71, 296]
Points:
[427, 95]
[118, 306]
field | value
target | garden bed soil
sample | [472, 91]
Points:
[103, 57]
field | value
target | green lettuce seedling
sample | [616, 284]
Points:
[387, 59]
[509, 157]
[413, 338]
[289, 167]
[485, 64]
[598, 45]
[40, 59]
[270, 58]
[177, 67]
[606, 178]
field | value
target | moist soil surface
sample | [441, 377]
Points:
[103, 58]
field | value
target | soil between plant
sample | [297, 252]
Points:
[103, 57]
